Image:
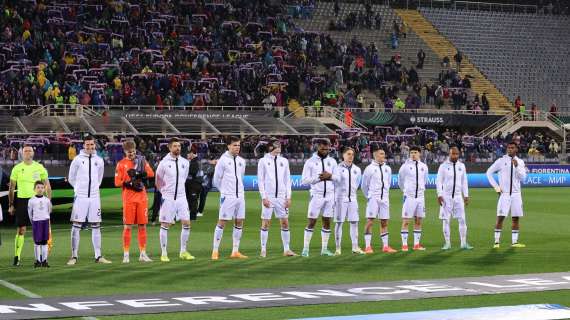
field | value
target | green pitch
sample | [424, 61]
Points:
[544, 230]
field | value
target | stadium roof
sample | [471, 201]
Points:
[145, 121]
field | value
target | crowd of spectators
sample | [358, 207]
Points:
[163, 53]
[154, 53]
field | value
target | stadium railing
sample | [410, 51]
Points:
[495, 6]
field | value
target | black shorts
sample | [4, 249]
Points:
[22, 218]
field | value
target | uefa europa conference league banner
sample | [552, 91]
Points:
[475, 180]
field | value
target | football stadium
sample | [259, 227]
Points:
[293, 159]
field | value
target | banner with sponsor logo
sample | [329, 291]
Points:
[407, 119]
[548, 168]
[475, 180]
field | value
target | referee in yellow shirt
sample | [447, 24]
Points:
[24, 175]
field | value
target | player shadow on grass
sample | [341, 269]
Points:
[492, 257]
[434, 257]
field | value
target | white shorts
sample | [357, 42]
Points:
[231, 208]
[86, 210]
[510, 203]
[174, 210]
[452, 208]
[277, 206]
[378, 209]
[346, 211]
[320, 205]
[414, 207]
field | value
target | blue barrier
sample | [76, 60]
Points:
[475, 180]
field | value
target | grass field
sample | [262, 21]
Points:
[544, 230]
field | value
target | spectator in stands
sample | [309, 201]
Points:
[485, 102]
[518, 102]
[399, 105]
[388, 104]
[396, 28]
[553, 147]
[404, 29]
[439, 97]
[361, 100]
[71, 152]
[534, 111]
[424, 93]
[378, 21]
[413, 77]
[421, 59]
[458, 57]
[410, 103]
[553, 110]
[445, 62]
[394, 41]
[522, 111]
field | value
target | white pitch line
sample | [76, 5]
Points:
[28, 294]
[19, 289]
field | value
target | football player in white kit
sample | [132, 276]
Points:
[376, 187]
[317, 173]
[453, 196]
[512, 171]
[412, 179]
[171, 175]
[274, 180]
[346, 177]
[228, 179]
[85, 176]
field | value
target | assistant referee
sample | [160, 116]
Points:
[24, 175]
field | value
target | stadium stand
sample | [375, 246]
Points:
[124, 69]
[523, 54]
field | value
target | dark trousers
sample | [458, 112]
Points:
[156, 205]
[203, 196]
[192, 195]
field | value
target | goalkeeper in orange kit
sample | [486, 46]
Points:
[131, 174]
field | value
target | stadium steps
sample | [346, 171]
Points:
[443, 47]
[408, 47]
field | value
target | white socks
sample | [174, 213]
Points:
[163, 240]
[354, 234]
[417, 237]
[184, 236]
[497, 236]
[384, 237]
[286, 239]
[263, 233]
[218, 233]
[96, 239]
[38, 252]
[404, 234]
[368, 239]
[337, 235]
[463, 232]
[44, 252]
[447, 231]
[236, 238]
[307, 238]
[515, 236]
[75, 228]
[325, 234]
